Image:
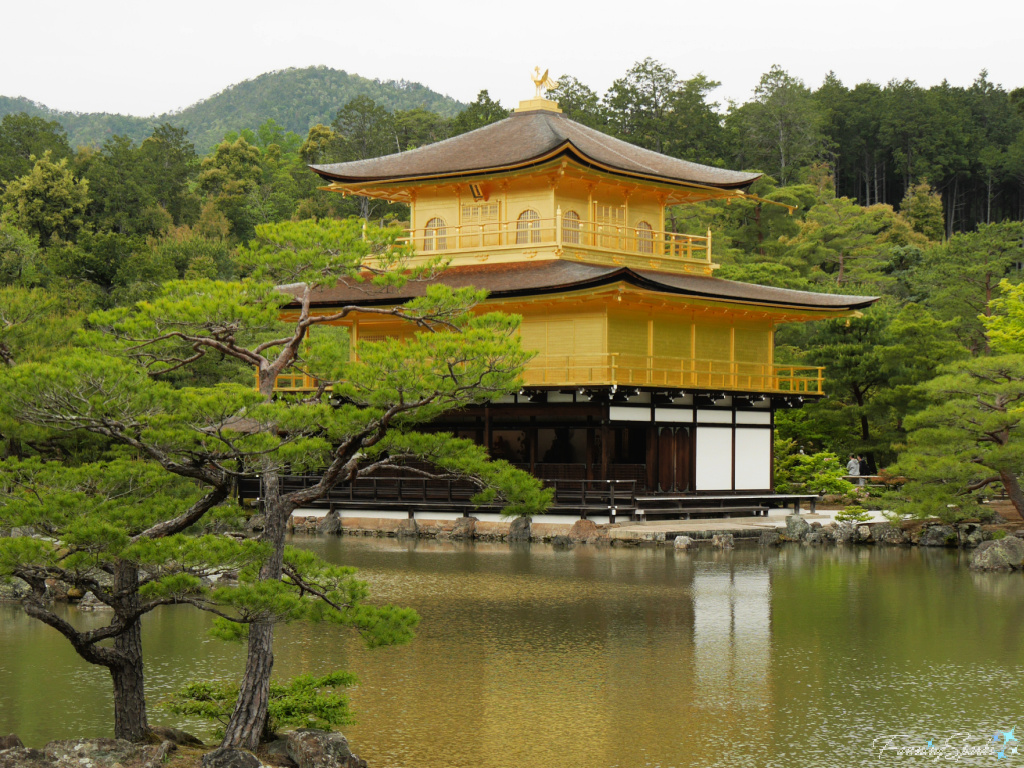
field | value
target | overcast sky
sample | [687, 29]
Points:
[141, 57]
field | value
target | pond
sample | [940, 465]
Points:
[610, 657]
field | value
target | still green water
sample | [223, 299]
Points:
[623, 657]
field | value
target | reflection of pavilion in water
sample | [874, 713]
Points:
[732, 629]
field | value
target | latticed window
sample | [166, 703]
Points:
[610, 219]
[614, 215]
[479, 214]
[571, 227]
[528, 227]
[434, 235]
[644, 237]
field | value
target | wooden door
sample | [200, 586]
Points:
[673, 459]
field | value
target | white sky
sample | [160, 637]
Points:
[143, 57]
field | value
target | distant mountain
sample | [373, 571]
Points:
[296, 98]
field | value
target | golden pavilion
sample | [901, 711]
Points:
[650, 373]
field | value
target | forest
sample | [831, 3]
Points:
[912, 194]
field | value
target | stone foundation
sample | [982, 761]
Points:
[481, 530]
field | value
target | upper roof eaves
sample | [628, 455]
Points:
[525, 138]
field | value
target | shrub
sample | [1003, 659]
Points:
[305, 702]
[814, 473]
[853, 514]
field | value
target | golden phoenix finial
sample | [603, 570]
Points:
[543, 82]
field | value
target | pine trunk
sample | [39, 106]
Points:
[1013, 490]
[127, 673]
[249, 718]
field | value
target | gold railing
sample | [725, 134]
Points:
[682, 373]
[295, 382]
[562, 232]
[646, 371]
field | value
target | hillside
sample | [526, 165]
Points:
[296, 98]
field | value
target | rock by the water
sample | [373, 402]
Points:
[519, 529]
[796, 527]
[407, 528]
[723, 541]
[886, 533]
[814, 538]
[13, 589]
[310, 748]
[562, 542]
[256, 523]
[584, 530]
[10, 742]
[276, 753]
[87, 753]
[970, 535]
[843, 533]
[999, 555]
[56, 590]
[224, 757]
[22, 757]
[464, 528]
[329, 523]
[90, 602]
[864, 533]
[683, 542]
[938, 536]
[175, 736]
[770, 539]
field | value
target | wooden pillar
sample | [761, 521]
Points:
[590, 449]
[652, 457]
[605, 449]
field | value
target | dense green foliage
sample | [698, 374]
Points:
[797, 472]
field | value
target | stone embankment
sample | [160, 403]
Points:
[996, 547]
[520, 529]
[304, 748]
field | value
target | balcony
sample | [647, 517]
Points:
[569, 238]
[647, 371]
[676, 373]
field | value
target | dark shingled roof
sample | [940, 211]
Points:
[521, 139]
[520, 279]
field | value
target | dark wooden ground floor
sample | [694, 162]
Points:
[633, 454]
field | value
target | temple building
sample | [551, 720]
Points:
[649, 370]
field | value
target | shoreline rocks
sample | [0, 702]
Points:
[1006, 554]
[302, 748]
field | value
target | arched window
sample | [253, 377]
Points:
[571, 227]
[434, 235]
[528, 227]
[644, 237]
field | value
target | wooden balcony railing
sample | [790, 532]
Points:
[682, 373]
[563, 232]
[647, 371]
